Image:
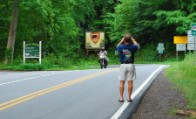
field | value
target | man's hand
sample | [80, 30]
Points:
[122, 40]
[134, 41]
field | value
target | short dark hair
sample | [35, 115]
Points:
[128, 38]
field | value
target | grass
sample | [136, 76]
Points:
[52, 63]
[183, 75]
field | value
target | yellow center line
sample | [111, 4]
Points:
[30, 96]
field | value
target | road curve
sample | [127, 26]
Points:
[77, 94]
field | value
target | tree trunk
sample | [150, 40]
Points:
[9, 55]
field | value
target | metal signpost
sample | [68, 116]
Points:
[180, 47]
[190, 45]
[180, 42]
[160, 49]
[193, 32]
[31, 51]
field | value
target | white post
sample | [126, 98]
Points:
[40, 52]
[24, 52]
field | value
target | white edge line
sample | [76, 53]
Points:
[125, 104]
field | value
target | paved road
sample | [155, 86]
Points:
[78, 94]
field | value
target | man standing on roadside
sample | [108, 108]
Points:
[126, 50]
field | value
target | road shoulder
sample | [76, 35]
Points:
[161, 99]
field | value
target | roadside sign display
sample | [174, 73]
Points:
[189, 32]
[95, 40]
[190, 39]
[160, 48]
[161, 45]
[190, 46]
[193, 29]
[180, 40]
[31, 51]
[180, 47]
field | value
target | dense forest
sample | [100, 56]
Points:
[61, 24]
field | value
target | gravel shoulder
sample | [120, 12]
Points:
[161, 100]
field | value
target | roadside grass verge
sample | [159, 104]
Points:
[183, 75]
[53, 63]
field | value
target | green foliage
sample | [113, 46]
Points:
[31, 67]
[23, 67]
[150, 54]
[61, 25]
[183, 75]
[5, 14]
[9, 53]
[59, 62]
[177, 18]
[152, 21]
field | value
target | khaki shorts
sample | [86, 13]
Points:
[127, 72]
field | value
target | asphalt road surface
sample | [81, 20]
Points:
[77, 94]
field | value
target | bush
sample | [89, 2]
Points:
[31, 67]
[183, 75]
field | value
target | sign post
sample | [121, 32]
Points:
[180, 42]
[95, 41]
[191, 44]
[160, 49]
[193, 30]
[180, 47]
[31, 51]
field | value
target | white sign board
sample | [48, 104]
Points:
[180, 47]
[160, 48]
[160, 45]
[190, 47]
[95, 40]
[190, 39]
[189, 32]
[32, 51]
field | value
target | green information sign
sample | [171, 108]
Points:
[32, 50]
[193, 29]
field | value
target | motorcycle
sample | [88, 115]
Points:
[103, 61]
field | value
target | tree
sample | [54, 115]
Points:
[153, 21]
[9, 55]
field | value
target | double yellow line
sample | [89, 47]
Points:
[30, 96]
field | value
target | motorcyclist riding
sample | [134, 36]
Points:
[103, 59]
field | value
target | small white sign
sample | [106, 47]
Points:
[190, 39]
[190, 46]
[189, 32]
[160, 45]
[160, 48]
[180, 47]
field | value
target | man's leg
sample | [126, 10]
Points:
[121, 88]
[130, 88]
